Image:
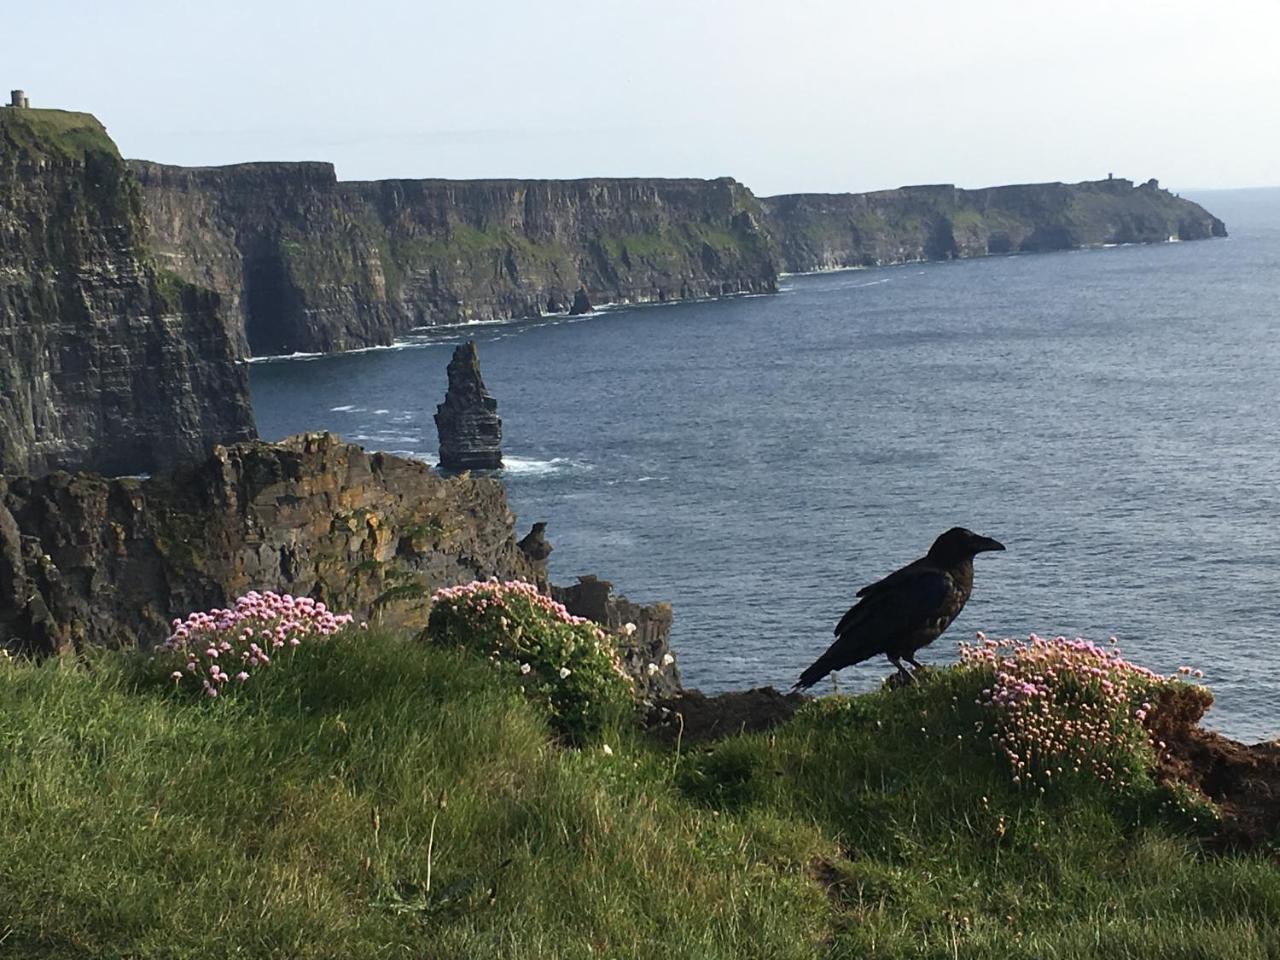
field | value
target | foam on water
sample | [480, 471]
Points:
[282, 356]
[527, 466]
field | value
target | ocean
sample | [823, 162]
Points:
[1108, 414]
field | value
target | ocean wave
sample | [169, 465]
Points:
[382, 438]
[527, 466]
[348, 408]
[517, 466]
[299, 355]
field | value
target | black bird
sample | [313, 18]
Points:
[906, 610]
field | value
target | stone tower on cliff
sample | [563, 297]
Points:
[467, 422]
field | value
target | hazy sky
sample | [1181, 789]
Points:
[786, 96]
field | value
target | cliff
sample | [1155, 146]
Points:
[828, 231]
[106, 362]
[87, 560]
[309, 263]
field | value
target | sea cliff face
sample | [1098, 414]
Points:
[815, 231]
[106, 362]
[87, 560]
[312, 264]
[308, 263]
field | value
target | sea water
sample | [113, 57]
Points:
[1109, 414]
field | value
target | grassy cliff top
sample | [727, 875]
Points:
[382, 797]
[67, 131]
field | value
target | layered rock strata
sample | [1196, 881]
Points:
[814, 231]
[87, 560]
[467, 423]
[106, 362]
[309, 263]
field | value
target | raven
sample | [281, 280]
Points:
[906, 610]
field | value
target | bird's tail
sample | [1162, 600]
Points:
[815, 672]
[845, 652]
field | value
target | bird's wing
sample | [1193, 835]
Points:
[892, 612]
[901, 601]
[898, 576]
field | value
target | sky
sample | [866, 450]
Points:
[796, 96]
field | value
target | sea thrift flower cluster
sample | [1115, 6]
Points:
[1065, 707]
[568, 663]
[482, 595]
[220, 649]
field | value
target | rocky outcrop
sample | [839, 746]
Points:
[311, 264]
[468, 424]
[581, 304]
[535, 546]
[87, 560]
[642, 633]
[829, 231]
[106, 362]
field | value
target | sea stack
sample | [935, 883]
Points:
[467, 422]
[581, 303]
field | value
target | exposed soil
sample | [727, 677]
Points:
[693, 717]
[1243, 780]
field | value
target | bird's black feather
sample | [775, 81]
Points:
[906, 610]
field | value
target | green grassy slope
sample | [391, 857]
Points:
[73, 133]
[380, 798]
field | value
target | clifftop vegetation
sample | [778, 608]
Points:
[71, 132]
[378, 795]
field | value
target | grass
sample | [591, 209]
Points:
[72, 133]
[384, 798]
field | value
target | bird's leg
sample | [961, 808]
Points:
[911, 659]
[907, 675]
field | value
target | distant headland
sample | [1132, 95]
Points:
[203, 266]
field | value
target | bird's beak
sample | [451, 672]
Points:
[983, 544]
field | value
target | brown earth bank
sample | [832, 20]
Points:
[1243, 780]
